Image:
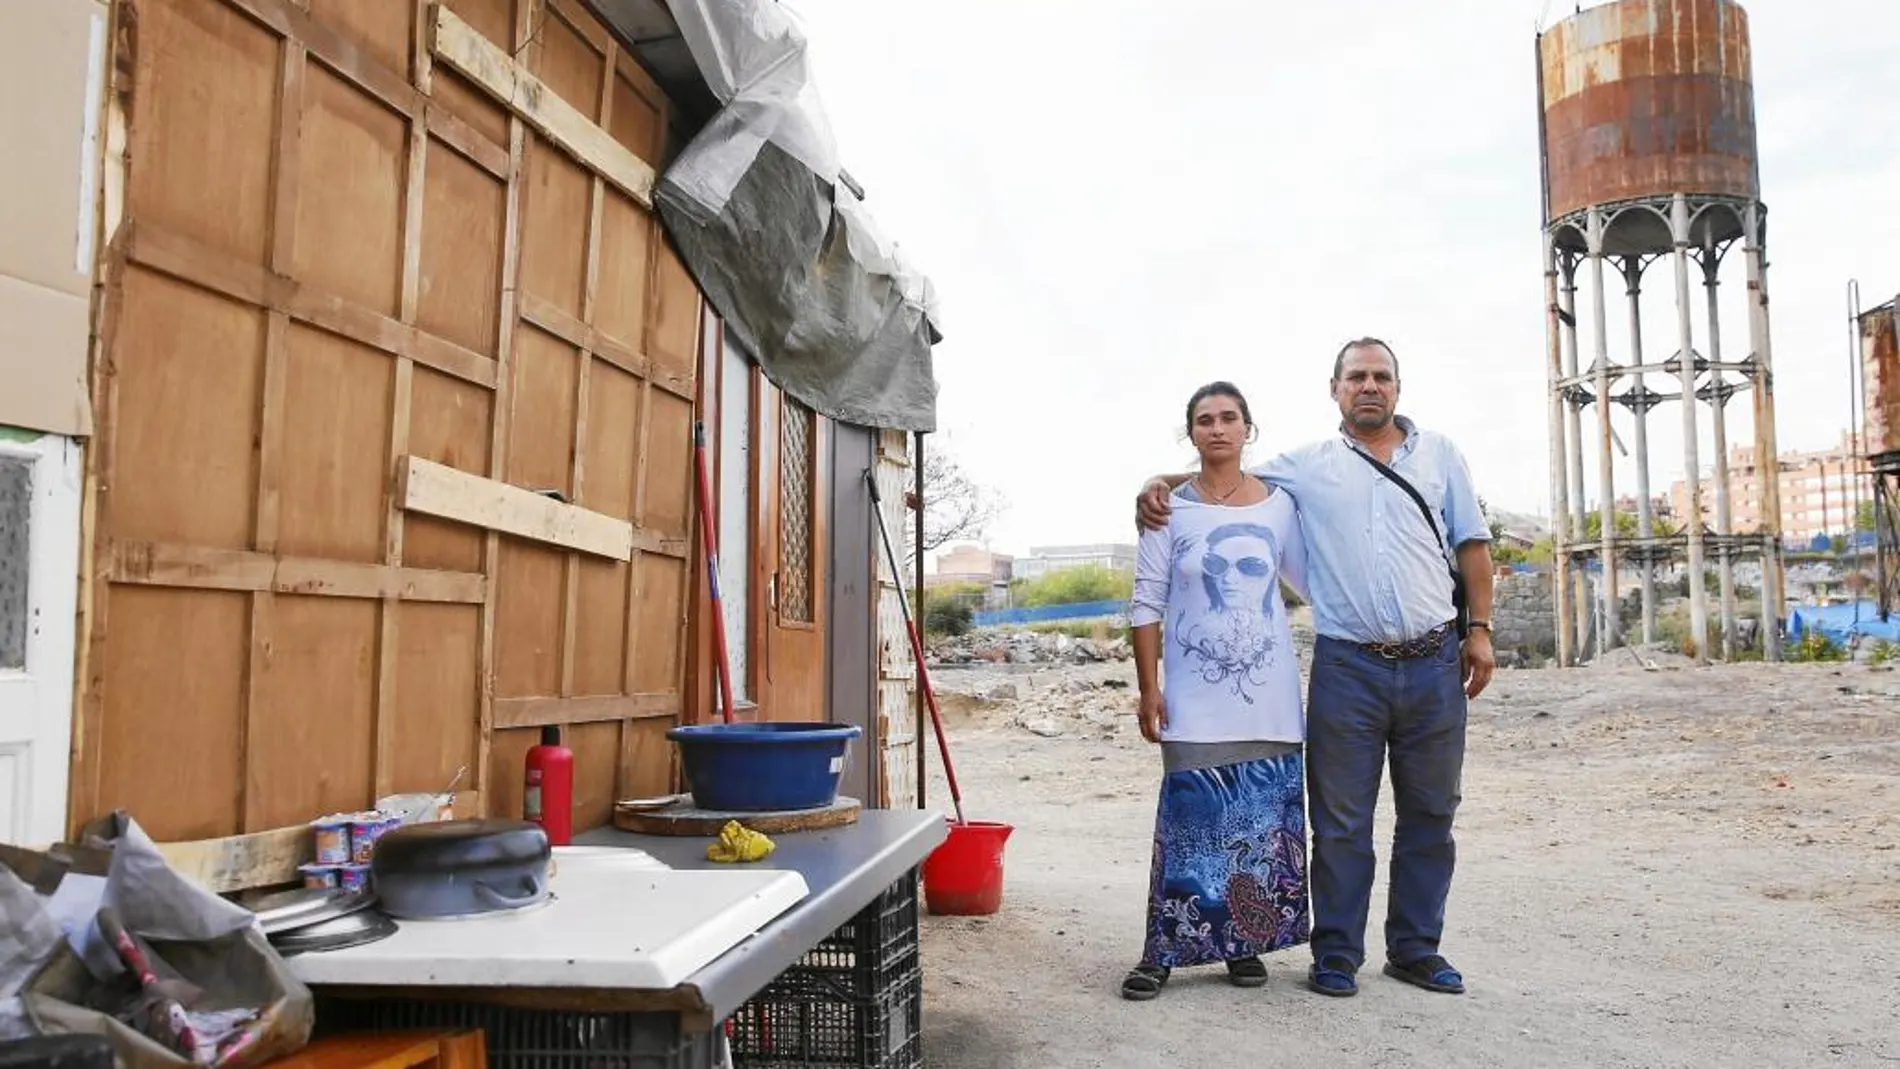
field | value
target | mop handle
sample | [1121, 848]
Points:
[916, 644]
[712, 568]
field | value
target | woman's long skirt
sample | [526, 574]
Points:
[1229, 877]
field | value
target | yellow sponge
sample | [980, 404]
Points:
[737, 842]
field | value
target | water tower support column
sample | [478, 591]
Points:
[1717, 394]
[1637, 400]
[1607, 634]
[1691, 463]
[1559, 463]
[1773, 609]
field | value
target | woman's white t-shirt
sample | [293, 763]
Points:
[1211, 579]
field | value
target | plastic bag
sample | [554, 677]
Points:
[172, 975]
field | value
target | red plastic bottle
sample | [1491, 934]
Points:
[548, 797]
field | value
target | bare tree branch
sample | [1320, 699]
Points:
[956, 508]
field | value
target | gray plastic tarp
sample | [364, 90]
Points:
[780, 243]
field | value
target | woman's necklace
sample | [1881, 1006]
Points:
[1207, 491]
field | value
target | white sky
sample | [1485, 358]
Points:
[1118, 202]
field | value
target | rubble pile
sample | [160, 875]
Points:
[1025, 647]
[1104, 708]
[1049, 684]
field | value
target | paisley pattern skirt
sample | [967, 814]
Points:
[1229, 877]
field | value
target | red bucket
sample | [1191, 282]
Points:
[963, 877]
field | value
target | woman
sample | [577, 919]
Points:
[1229, 881]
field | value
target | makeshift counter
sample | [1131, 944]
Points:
[861, 877]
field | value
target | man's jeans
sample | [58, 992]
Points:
[1360, 704]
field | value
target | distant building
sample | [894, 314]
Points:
[1045, 559]
[969, 565]
[1662, 508]
[1817, 492]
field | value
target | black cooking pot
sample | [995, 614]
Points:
[458, 868]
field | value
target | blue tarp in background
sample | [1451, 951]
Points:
[1837, 621]
[1047, 613]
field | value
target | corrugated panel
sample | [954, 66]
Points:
[1880, 374]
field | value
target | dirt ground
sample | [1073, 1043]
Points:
[1672, 867]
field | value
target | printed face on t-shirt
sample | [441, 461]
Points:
[1238, 569]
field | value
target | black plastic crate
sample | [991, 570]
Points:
[856, 999]
[534, 1039]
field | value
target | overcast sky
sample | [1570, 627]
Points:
[1118, 202]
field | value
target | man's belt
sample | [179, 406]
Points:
[1411, 649]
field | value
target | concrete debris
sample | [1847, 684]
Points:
[1026, 647]
[1051, 685]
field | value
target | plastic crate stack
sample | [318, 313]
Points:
[534, 1039]
[856, 999]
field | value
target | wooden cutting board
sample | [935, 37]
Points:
[683, 818]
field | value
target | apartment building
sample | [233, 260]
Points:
[970, 564]
[1817, 491]
[1045, 559]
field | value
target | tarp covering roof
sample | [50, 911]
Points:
[780, 241]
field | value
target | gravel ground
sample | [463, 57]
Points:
[1670, 867]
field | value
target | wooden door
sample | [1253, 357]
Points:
[792, 539]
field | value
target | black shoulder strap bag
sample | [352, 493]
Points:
[1461, 614]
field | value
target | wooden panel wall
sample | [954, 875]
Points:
[333, 251]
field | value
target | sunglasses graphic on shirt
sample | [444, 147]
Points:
[1253, 567]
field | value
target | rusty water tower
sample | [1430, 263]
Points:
[1647, 117]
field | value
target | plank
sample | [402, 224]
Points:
[545, 314]
[391, 1050]
[289, 20]
[439, 490]
[499, 74]
[242, 862]
[389, 620]
[205, 267]
[471, 143]
[270, 436]
[577, 474]
[509, 325]
[684, 818]
[198, 567]
[538, 712]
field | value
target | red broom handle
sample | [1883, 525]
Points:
[916, 645]
[706, 517]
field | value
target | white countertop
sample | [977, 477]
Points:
[618, 919]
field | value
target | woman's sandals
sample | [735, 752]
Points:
[1144, 982]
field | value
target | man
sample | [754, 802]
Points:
[1390, 673]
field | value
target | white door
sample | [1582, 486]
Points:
[39, 600]
[735, 512]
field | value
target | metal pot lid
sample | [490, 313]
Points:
[460, 845]
[305, 906]
[355, 929]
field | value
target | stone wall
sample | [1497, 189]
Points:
[1524, 617]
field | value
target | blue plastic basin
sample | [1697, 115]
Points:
[757, 768]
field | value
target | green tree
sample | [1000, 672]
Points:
[1626, 526]
[1073, 586]
[948, 618]
[950, 609]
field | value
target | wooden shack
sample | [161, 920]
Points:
[395, 380]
